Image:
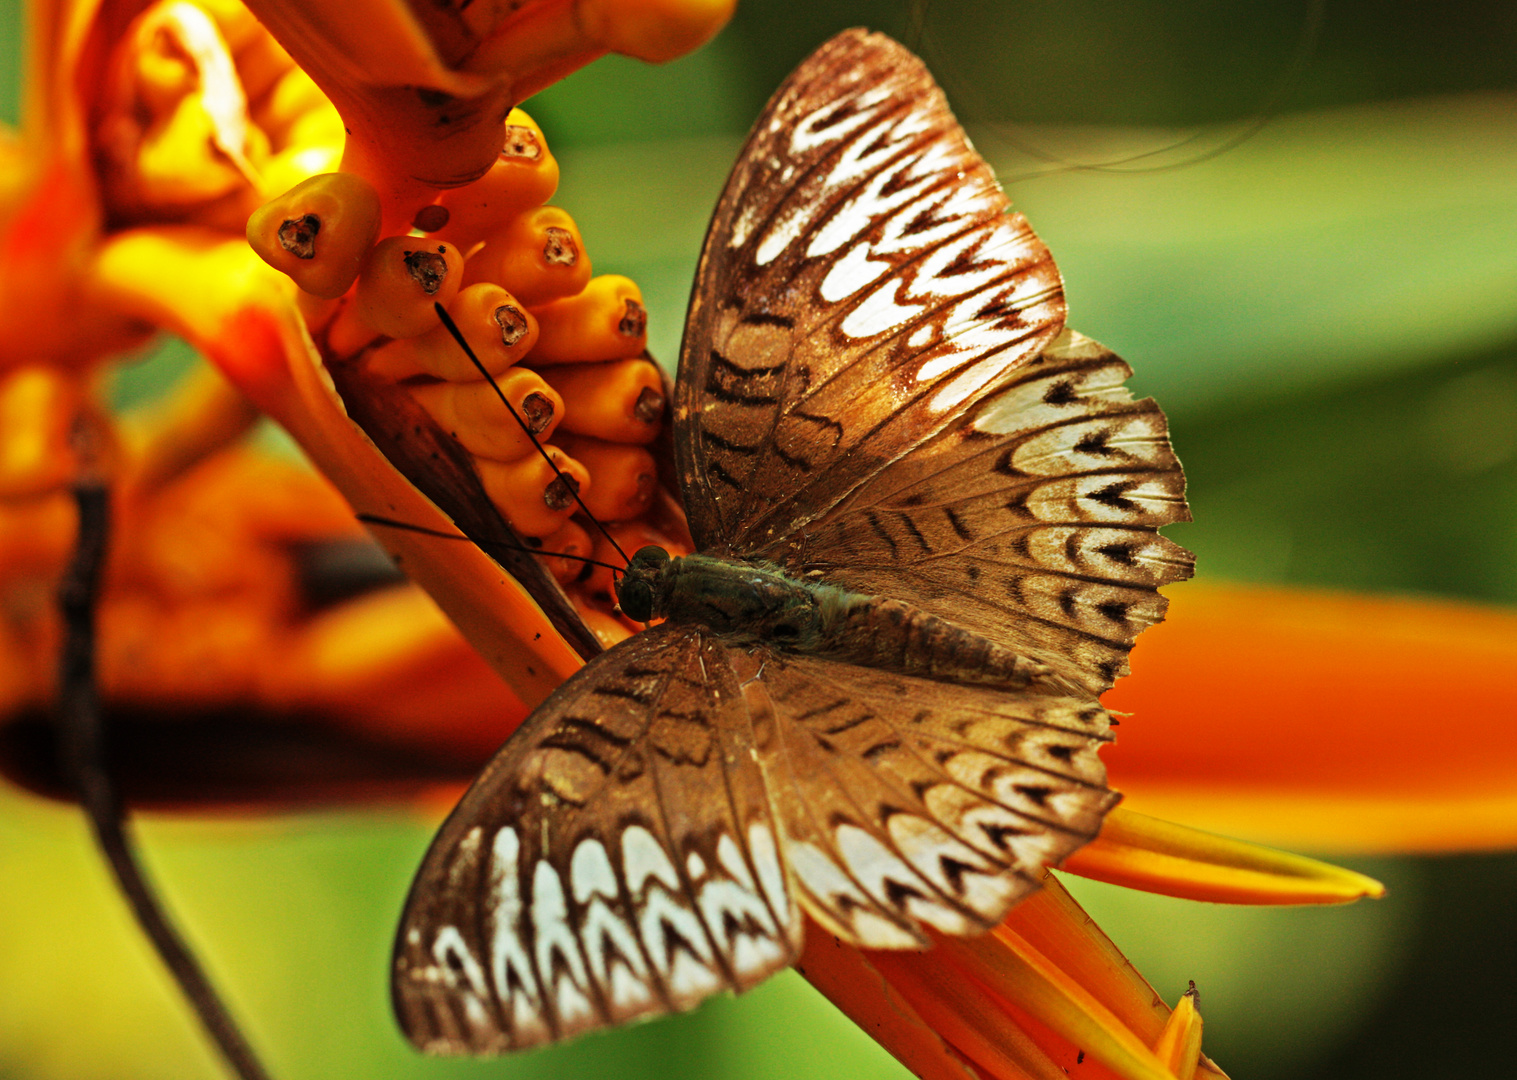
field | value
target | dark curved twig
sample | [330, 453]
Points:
[82, 747]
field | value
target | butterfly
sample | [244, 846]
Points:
[926, 520]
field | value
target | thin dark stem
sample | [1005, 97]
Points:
[569, 485]
[83, 749]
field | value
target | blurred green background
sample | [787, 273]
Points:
[1327, 310]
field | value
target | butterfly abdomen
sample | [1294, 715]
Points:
[748, 602]
[879, 632]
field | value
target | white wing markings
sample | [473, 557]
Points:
[805, 136]
[550, 920]
[1024, 407]
[655, 887]
[983, 885]
[858, 160]
[766, 860]
[749, 953]
[622, 974]
[899, 300]
[507, 955]
[453, 958]
[825, 880]
[643, 857]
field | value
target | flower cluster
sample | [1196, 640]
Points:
[558, 419]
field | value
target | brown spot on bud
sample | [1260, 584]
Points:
[512, 323]
[428, 269]
[560, 249]
[521, 142]
[298, 236]
[559, 495]
[537, 411]
[430, 219]
[649, 407]
[634, 320]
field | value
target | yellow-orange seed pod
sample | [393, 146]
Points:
[402, 278]
[524, 176]
[606, 321]
[530, 495]
[572, 539]
[622, 401]
[473, 414]
[537, 256]
[498, 328]
[318, 232]
[626, 478]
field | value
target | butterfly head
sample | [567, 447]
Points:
[640, 588]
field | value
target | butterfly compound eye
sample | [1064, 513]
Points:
[635, 589]
[636, 598]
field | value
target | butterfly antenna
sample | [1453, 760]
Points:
[81, 743]
[570, 485]
[392, 523]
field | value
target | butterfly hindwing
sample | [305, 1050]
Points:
[861, 283]
[1033, 519]
[653, 833]
[615, 861]
[904, 802]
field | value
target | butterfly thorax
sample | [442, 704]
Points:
[759, 603]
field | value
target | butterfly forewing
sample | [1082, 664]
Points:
[874, 391]
[861, 283]
[617, 860]
[1033, 519]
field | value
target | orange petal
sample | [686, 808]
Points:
[1330, 722]
[218, 295]
[848, 980]
[1142, 852]
[423, 89]
[1011, 970]
[1179, 1046]
[1044, 993]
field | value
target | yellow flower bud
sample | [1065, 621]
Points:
[402, 278]
[531, 496]
[606, 321]
[524, 176]
[473, 413]
[498, 329]
[537, 256]
[621, 401]
[626, 478]
[572, 539]
[318, 232]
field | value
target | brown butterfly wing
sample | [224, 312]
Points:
[903, 802]
[1032, 519]
[616, 860]
[650, 837]
[861, 284]
[871, 394]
